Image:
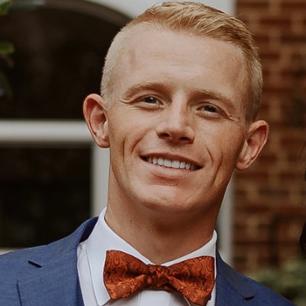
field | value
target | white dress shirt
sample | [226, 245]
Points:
[91, 257]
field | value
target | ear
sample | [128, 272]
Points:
[94, 110]
[256, 138]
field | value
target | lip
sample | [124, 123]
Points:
[170, 156]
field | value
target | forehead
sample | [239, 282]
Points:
[147, 39]
[152, 53]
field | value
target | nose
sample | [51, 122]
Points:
[175, 126]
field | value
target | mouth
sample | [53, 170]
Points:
[171, 162]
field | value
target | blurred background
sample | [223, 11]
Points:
[52, 177]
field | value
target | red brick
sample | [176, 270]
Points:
[290, 5]
[293, 38]
[291, 177]
[254, 5]
[295, 143]
[274, 186]
[267, 159]
[278, 22]
[261, 39]
[266, 55]
[254, 175]
[274, 193]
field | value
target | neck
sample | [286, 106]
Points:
[159, 237]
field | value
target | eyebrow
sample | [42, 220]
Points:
[144, 86]
[163, 88]
[215, 96]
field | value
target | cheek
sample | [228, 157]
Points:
[223, 144]
[126, 136]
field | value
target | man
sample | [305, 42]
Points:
[180, 92]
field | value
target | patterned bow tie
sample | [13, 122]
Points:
[125, 275]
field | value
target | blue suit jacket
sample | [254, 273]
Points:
[47, 276]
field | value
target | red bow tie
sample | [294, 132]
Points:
[193, 278]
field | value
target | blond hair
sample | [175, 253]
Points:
[202, 20]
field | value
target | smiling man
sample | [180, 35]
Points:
[179, 97]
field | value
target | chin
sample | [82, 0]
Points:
[167, 202]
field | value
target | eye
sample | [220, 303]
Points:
[210, 110]
[151, 100]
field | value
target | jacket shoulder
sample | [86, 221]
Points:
[12, 266]
[234, 284]
[26, 265]
[265, 295]
[15, 263]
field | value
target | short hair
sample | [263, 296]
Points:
[202, 20]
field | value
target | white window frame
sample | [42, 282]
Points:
[60, 133]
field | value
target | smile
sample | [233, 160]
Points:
[168, 163]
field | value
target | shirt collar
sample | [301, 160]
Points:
[103, 238]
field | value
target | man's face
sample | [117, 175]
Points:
[176, 125]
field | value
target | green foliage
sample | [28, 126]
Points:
[289, 281]
[6, 48]
[4, 6]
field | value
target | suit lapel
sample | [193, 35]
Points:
[54, 284]
[231, 287]
[52, 278]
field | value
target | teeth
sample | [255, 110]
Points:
[176, 164]
[167, 163]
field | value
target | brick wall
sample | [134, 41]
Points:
[270, 197]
